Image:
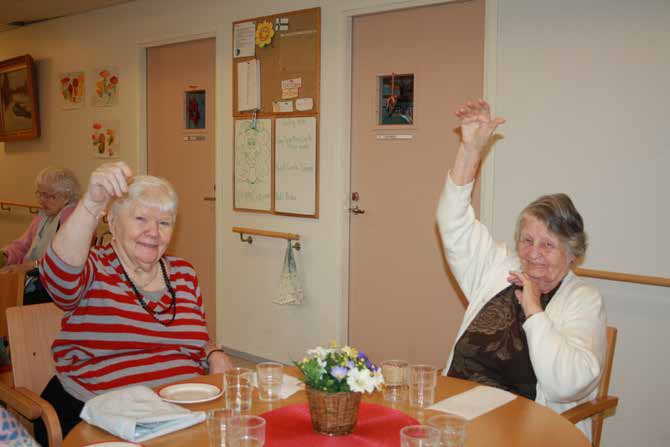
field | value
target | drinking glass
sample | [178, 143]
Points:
[395, 374]
[422, 382]
[217, 424]
[237, 376]
[453, 429]
[270, 378]
[419, 436]
[238, 397]
[246, 431]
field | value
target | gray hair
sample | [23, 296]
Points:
[562, 219]
[150, 191]
[60, 180]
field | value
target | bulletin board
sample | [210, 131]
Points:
[276, 83]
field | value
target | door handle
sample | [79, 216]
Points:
[209, 199]
[357, 210]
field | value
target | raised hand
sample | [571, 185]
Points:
[107, 181]
[477, 126]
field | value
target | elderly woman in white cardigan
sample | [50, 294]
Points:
[531, 326]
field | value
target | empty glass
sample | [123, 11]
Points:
[422, 382]
[217, 424]
[270, 378]
[453, 429]
[238, 397]
[237, 376]
[246, 431]
[419, 436]
[396, 375]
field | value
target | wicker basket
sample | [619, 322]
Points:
[333, 414]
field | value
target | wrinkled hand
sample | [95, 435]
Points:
[219, 362]
[477, 126]
[529, 295]
[107, 181]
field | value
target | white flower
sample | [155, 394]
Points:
[322, 365]
[319, 352]
[360, 381]
[378, 379]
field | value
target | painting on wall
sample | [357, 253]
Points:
[194, 109]
[71, 85]
[106, 83]
[19, 116]
[105, 139]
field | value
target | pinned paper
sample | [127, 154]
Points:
[249, 85]
[243, 36]
[287, 93]
[304, 104]
[291, 83]
[281, 24]
[282, 106]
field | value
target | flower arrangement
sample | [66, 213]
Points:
[335, 369]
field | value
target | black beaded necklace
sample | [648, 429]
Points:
[140, 298]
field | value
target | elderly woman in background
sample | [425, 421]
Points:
[57, 191]
[531, 326]
[133, 314]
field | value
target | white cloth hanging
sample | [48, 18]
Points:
[290, 289]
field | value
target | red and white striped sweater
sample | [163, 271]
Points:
[108, 340]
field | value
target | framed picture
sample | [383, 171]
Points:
[19, 116]
[396, 99]
[194, 110]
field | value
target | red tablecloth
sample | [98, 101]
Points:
[377, 426]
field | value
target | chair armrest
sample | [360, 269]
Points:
[21, 403]
[48, 415]
[590, 408]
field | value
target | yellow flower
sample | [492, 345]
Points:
[264, 34]
[351, 352]
[333, 344]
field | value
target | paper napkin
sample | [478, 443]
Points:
[474, 402]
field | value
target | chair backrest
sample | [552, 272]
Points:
[603, 388]
[11, 294]
[32, 330]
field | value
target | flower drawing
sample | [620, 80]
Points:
[103, 140]
[264, 34]
[106, 88]
[336, 369]
[72, 89]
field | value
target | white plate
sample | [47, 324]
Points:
[114, 444]
[190, 393]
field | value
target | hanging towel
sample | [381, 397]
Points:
[137, 414]
[290, 289]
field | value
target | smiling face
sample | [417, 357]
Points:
[142, 232]
[544, 257]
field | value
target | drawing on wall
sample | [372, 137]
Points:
[253, 163]
[194, 109]
[105, 139]
[106, 91]
[396, 99]
[71, 86]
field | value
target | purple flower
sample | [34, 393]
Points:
[339, 372]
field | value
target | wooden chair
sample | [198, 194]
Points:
[11, 294]
[32, 330]
[595, 409]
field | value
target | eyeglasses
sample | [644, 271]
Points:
[45, 196]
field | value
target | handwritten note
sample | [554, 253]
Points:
[253, 162]
[295, 165]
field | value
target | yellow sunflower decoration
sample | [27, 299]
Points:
[264, 34]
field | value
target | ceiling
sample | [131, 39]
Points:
[15, 13]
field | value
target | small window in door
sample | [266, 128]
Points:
[396, 99]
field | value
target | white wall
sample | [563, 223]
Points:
[523, 90]
[583, 86]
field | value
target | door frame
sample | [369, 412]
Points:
[491, 18]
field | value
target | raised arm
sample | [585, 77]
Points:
[477, 126]
[73, 240]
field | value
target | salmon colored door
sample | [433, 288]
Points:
[185, 156]
[402, 302]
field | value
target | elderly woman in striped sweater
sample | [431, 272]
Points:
[133, 315]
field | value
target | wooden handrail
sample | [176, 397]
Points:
[6, 205]
[289, 236]
[277, 234]
[624, 277]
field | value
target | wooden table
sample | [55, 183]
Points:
[519, 423]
